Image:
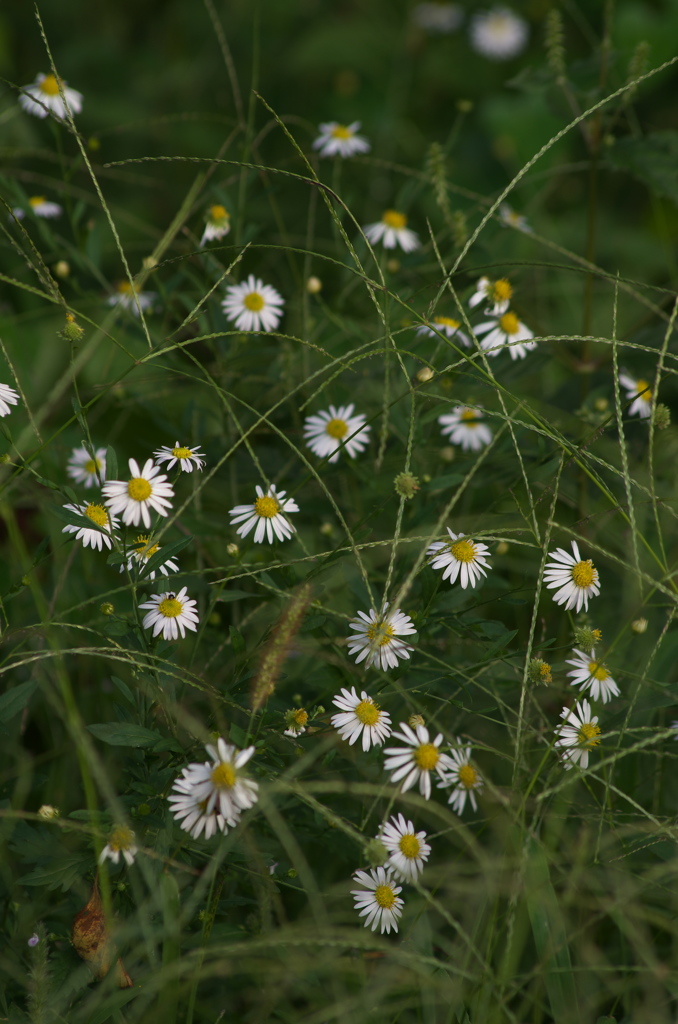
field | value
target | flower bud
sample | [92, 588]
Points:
[406, 485]
[639, 626]
[313, 285]
[586, 638]
[425, 374]
[539, 671]
[47, 812]
[107, 608]
[414, 720]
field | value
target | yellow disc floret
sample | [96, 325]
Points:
[218, 212]
[410, 846]
[170, 607]
[267, 507]
[469, 417]
[502, 290]
[337, 428]
[468, 776]
[381, 633]
[91, 466]
[395, 220]
[463, 550]
[223, 776]
[427, 756]
[121, 838]
[340, 131]
[98, 515]
[143, 548]
[509, 323]
[139, 489]
[254, 302]
[642, 385]
[36, 201]
[584, 574]
[367, 712]
[446, 321]
[182, 453]
[598, 671]
[385, 896]
[50, 85]
[589, 735]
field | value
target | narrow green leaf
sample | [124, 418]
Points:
[111, 463]
[124, 734]
[160, 557]
[237, 640]
[15, 700]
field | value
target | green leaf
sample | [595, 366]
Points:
[652, 159]
[64, 872]
[112, 1004]
[237, 640]
[111, 463]
[160, 557]
[236, 595]
[73, 519]
[125, 734]
[15, 700]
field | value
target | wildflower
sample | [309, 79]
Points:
[330, 433]
[638, 390]
[121, 841]
[496, 293]
[186, 457]
[510, 219]
[295, 720]
[376, 637]
[440, 16]
[407, 850]
[464, 427]
[47, 812]
[8, 397]
[71, 331]
[218, 224]
[340, 139]
[444, 325]
[253, 305]
[222, 782]
[639, 625]
[414, 762]
[141, 551]
[100, 533]
[392, 229]
[40, 207]
[127, 297]
[577, 578]
[34, 940]
[506, 330]
[587, 638]
[133, 498]
[266, 514]
[406, 485]
[459, 557]
[43, 97]
[191, 813]
[85, 469]
[592, 675]
[464, 777]
[360, 714]
[379, 902]
[498, 34]
[170, 613]
[539, 671]
[577, 734]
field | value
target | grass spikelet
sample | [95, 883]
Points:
[277, 648]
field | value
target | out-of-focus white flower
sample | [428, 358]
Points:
[510, 219]
[496, 293]
[444, 325]
[121, 841]
[83, 468]
[340, 139]
[442, 17]
[499, 33]
[593, 676]
[218, 223]
[639, 390]
[43, 96]
[8, 397]
[126, 297]
[325, 433]
[392, 229]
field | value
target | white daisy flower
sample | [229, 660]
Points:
[222, 782]
[415, 761]
[497, 295]
[191, 813]
[40, 207]
[593, 676]
[266, 514]
[120, 841]
[498, 34]
[324, 433]
[92, 537]
[464, 777]
[577, 734]
[674, 726]
[440, 17]
[465, 427]
[186, 457]
[340, 139]
[392, 229]
[510, 219]
[142, 549]
[459, 557]
[218, 223]
[133, 498]
[408, 852]
[43, 96]
[360, 714]
[576, 577]
[83, 468]
[8, 397]
[295, 720]
[506, 330]
[376, 637]
[253, 305]
[127, 297]
[444, 325]
[639, 390]
[170, 613]
[378, 902]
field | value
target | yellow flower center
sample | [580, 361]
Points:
[266, 507]
[446, 321]
[395, 220]
[468, 776]
[545, 672]
[584, 574]
[182, 453]
[121, 838]
[502, 290]
[385, 896]
[143, 548]
[218, 212]
[223, 776]
[36, 201]
[380, 633]
[509, 323]
[410, 846]
[49, 85]
[367, 712]
[598, 671]
[463, 551]
[588, 735]
[91, 466]
[170, 607]
[300, 717]
[469, 417]
[427, 756]
[139, 489]
[254, 301]
[641, 385]
[98, 515]
[124, 288]
[340, 131]
[337, 428]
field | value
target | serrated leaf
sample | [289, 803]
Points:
[15, 700]
[124, 734]
[160, 557]
[64, 872]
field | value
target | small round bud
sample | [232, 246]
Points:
[26, 580]
[326, 529]
[233, 550]
[5, 459]
[107, 608]
[393, 266]
[414, 720]
[143, 810]
[448, 454]
[425, 374]
[586, 638]
[426, 478]
[601, 404]
[376, 853]
[464, 106]
[214, 619]
[62, 269]
[320, 710]
[639, 625]
[202, 915]
[47, 812]
[502, 548]
[662, 416]
[71, 331]
[94, 144]
[296, 719]
[539, 671]
[406, 485]
[292, 873]
[121, 886]
[313, 285]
